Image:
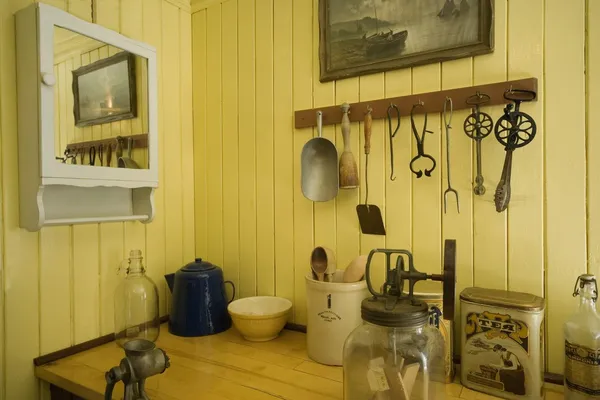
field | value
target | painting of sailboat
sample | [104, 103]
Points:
[366, 36]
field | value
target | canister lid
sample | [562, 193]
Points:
[404, 313]
[503, 298]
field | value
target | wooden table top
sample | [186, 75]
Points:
[219, 367]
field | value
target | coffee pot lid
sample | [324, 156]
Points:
[198, 265]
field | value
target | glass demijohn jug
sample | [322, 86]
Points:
[582, 344]
[396, 354]
[136, 303]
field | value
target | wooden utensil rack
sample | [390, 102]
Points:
[433, 103]
[139, 142]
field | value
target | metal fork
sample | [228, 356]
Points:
[447, 123]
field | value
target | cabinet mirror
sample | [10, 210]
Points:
[101, 103]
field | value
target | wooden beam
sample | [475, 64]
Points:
[433, 101]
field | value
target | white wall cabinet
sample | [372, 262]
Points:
[51, 45]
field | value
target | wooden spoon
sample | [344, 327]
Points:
[355, 271]
[322, 261]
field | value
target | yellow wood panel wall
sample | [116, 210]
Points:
[58, 284]
[253, 218]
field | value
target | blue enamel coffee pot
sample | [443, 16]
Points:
[199, 305]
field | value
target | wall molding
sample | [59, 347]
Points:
[199, 5]
[181, 4]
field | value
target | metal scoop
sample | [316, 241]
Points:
[320, 174]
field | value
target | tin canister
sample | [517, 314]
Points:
[502, 340]
[432, 294]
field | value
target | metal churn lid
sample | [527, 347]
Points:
[391, 307]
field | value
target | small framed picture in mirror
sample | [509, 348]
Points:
[105, 90]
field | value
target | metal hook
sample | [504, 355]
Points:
[392, 135]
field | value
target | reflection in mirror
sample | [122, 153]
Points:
[101, 103]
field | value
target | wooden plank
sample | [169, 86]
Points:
[322, 371]
[247, 145]
[61, 4]
[80, 8]
[110, 236]
[323, 95]
[284, 144]
[85, 283]
[86, 132]
[155, 231]
[526, 211]
[593, 143]
[231, 200]
[214, 138]
[132, 25]
[111, 257]
[434, 100]
[78, 132]
[199, 61]
[454, 225]
[172, 146]
[187, 135]
[398, 193]
[427, 207]
[565, 187]
[55, 296]
[139, 141]
[302, 13]
[265, 224]
[372, 87]
[115, 127]
[489, 227]
[347, 229]
[20, 248]
[132, 22]
[107, 14]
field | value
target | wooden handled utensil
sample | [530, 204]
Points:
[348, 168]
[369, 215]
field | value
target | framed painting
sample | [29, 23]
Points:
[105, 91]
[359, 37]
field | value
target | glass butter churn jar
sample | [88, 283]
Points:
[395, 353]
[136, 303]
[582, 343]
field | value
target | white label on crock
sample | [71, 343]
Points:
[329, 316]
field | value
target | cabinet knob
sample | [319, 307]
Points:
[48, 79]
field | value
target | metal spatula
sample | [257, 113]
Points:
[369, 215]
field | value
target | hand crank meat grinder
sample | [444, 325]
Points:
[142, 360]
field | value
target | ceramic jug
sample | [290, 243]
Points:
[199, 305]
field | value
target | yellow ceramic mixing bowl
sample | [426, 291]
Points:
[260, 318]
